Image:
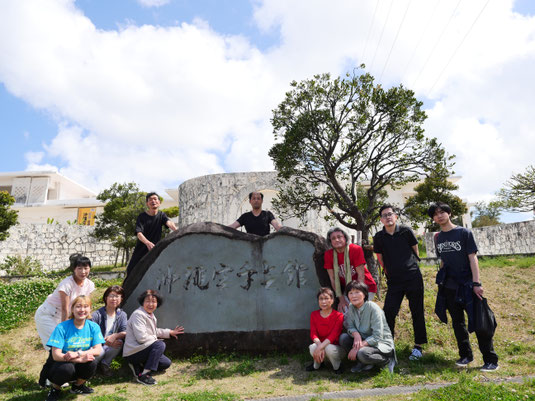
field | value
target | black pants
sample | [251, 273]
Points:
[63, 372]
[484, 341]
[151, 357]
[415, 296]
[137, 255]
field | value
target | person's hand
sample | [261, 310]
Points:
[478, 291]
[149, 245]
[319, 355]
[69, 355]
[117, 344]
[87, 357]
[342, 305]
[352, 355]
[110, 339]
[177, 330]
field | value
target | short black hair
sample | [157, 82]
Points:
[149, 195]
[256, 192]
[114, 288]
[356, 285]
[325, 290]
[387, 206]
[152, 293]
[438, 205]
[77, 259]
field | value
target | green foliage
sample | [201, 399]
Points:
[521, 262]
[8, 217]
[171, 211]
[435, 187]
[117, 223]
[344, 137]
[22, 298]
[518, 193]
[486, 214]
[19, 266]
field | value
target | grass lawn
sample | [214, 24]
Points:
[508, 283]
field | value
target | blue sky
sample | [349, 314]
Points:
[161, 91]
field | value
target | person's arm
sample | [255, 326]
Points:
[145, 241]
[474, 266]
[342, 303]
[360, 273]
[171, 225]
[235, 225]
[276, 225]
[416, 250]
[65, 305]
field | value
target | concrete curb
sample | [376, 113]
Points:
[394, 390]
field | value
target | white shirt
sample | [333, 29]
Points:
[69, 287]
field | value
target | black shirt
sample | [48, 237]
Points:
[151, 226]
[399, 260]
[258, 225]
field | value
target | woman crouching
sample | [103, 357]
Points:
[75, 343]
[369, 341]
[142, 348]
[112, 322]
[325, 327]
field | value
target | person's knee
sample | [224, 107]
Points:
[346, 341]
[159, 346]
[312, 348]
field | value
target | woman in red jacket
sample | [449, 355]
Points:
[325, 327]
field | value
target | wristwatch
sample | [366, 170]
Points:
[79, 353]
[476, 284]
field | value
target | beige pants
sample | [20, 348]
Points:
[333, 353]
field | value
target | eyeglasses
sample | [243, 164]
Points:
[386, 215]
[113, 296]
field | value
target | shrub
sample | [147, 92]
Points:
[17, 265]
[22, 298]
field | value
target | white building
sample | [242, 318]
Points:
[49, 197]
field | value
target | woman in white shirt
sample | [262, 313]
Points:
[56, 307]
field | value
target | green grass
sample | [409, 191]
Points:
[522, 262]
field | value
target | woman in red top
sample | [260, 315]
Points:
[325, 327]
[347, 255]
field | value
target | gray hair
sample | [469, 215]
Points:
[334, 230]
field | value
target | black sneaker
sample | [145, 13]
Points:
[81, 389]
[146, 379]
[53, 394]
[489, 367]
[311, 368]
[463, 362]
[340, 370]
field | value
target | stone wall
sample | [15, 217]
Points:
[222, 198]
[503, 239]
[52, 244]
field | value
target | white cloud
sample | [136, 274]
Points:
[153, 3]
[34, 157]
[158, 105]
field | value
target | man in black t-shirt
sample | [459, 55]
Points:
[396, 248]
[149, 229]
[257, 221]
[460, 286]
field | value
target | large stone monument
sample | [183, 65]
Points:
[233, 291]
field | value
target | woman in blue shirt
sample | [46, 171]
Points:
[75, 343]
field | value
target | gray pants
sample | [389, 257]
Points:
[366, 355]
[107, 355]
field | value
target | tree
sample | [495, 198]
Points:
[486, 214]
[518, 194]
[435, 187]
[117, 223]
[8, 217]
[338, 137]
